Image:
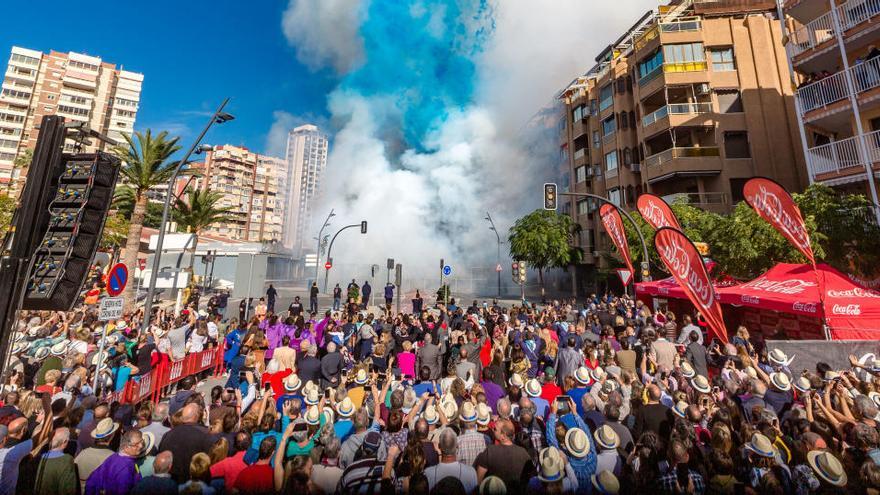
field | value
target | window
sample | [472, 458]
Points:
[583, 207]
[627, 156]
[729, 100]
[21, 95]
[609, 126]
[650, 66]
[580, 174]
[722, 59]
[632, 119]
[73, 111]
[50, 97]
[596, 139]
[9, 117]
[125, 113]
[578, 113]
[614, 195]
[623, 120]
[24, 59]
[594, 105]
[126, 103]
[606, 97]
[82, 65]
[736, 144]
[683, 53]
[611, 160]
[621, 85]
[79, 100]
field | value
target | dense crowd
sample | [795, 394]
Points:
[603, 396]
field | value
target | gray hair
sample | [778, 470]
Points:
[361, 419]
[331, 448]
[160, 413]
[129, 438]
[61, 436]
[448, 442]
[503, 407]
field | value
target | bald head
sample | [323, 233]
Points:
[17, 427]
[654, 393]
[163, 462]
[191, 414]
[101, 412]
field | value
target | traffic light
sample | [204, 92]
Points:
[522, 273]
[76, 219]
[550, 199]
[514, 272]
[364, 227]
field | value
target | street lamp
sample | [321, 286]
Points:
[218, 117]
[497, 236]
[318, 249]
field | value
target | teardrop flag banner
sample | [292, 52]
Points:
[773, 203]
[613, 223]
[656, 212]
[686, 265]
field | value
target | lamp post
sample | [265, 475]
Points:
[497, 236]
[362, 225]
[318, 248]
[218, 117]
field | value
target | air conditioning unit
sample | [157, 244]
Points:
[702, 88]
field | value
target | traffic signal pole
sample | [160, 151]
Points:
[363, 227]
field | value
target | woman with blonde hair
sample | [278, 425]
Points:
[199, 476]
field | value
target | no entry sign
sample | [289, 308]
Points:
[116, 279]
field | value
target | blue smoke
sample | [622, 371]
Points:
[420, 54]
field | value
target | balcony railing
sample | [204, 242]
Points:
[686, 24]
[673, 153]
[580, 153]
[610, 174]
[844, 154]
[704, 198]
[676, 109]
[833, 88]
[821, 29]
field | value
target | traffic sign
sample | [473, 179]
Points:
[142, 264]
[110, 308]
[625, 276]
[498, 267]
[447, 270]
[328, 265]
[116, 279]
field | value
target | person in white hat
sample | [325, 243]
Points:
[828, 468]
[578, 444]
[555, 475]
[533, 391]
[607, 442]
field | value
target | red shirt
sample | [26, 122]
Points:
[276, 380]
[229, 468]
[256, 479]
[550, 391]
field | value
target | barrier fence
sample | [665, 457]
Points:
[159, 380]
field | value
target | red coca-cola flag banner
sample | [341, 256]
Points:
[686, 265]
[776, 206]
[656, 212]
[613, 223]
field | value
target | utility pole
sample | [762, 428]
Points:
[318, 248]
[497, 236]
[362, 225]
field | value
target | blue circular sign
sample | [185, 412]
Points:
[116, 279]
[447, 270]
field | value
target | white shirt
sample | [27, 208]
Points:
[213, 330]
[197, 342]
[466, 474]
[684, 336]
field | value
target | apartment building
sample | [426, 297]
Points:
[79, 87]
[306, 161]
[249, 185]
[689, 103]
[835, 58]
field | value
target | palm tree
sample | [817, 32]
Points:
[146, 165]
[199, 212]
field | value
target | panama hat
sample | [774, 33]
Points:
[60, 348]
[121, 325]
[18, 337]
[430, 415]
[701, 384]
[345, 408]
[20, 347]
[311, 396]
[780, 381]
[515, 380]
[687, 370]
[493, 485]
[680, 409]
[41, 353]
[597, 374]
[468, 413]
[484, 414]
[776, 356]
[533, 388]
[292, 383]
[104, 429]
[449, 407]
[552, 465]
[750, 372]
[802, 384]
[761, 445]
[874, 396]
[112, 339]
[577, 443]
[582, 375]
[605, 483]
[313, 415]
[831, 376]
[329, 414]
[149, 443]
[827, 467]
[361, 377]
[606, 437]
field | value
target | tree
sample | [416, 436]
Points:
[146, 164]
[124, 201]
[115, 232]
[21, 162]
[198, 212]
[542, 239]
[7, 209]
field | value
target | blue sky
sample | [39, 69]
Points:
[192, 55]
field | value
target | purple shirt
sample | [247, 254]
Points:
[117, 475]
[493, 394]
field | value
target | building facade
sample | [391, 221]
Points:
[692, 101]
[79, 87]
[249, 186]
[836, 65]
[306, 162]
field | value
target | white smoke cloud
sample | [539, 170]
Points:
[325, 32]
[431, 203]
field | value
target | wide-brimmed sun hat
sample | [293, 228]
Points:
[577, 443]
[552, 465]
[606, 437]
[582, 375]
[780, 381]
[827, 467]
[533, 388]
[60, 348]
[701, 384]
[468, 412]
[605, 483]
[149, 443]
[597, 374]
[104, 429]
[687, 370]
[311, 396]
[361, 377]
[313, 415]
[20, 347]
[484, 414]
[292, 383]
[430, 415]
[778, 357]
[345, 408]
[802, 384]
[761, 445]
[680, 409]
[515, 380]
[41, 353]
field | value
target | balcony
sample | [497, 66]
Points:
[835, 161]
[80, 80]
[716, 7]
[683, 162]
[610, 174]
[826, 94]
[676, 109]
[712, 201]
[820, 30]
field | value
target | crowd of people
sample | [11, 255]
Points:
[600, 396]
